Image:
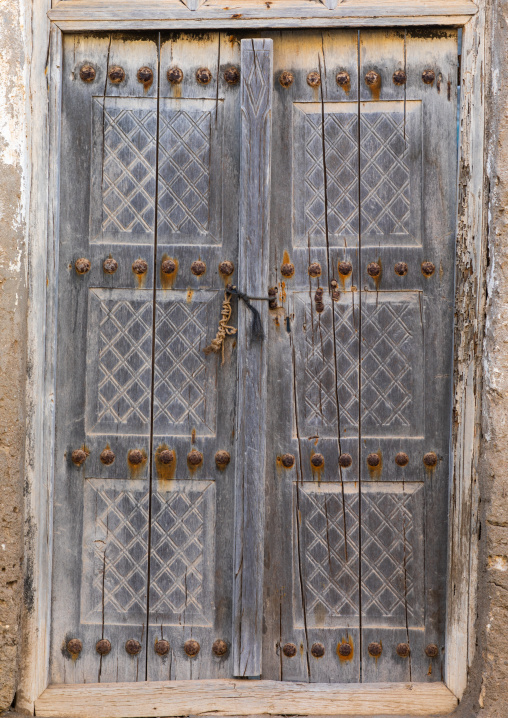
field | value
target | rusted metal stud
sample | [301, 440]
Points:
[402, 459]
[373, 460]
[168, 266]
[313, 79]
[401, 269]
[166, 456]
[110, 265]
[82, 265]
[403, 650]
[194, 458]
[79, 456]
[74, 646]
[375, 649]
[103, 647]
[145, 76]
[87, 73]
[334, 285]
[116, 74]
[287, 269]
[428, 269]
[430, 459]
[107, 457]
[399, 77]
[203, 75]
[198, 268]
[345, 268]
[139, 266]
[289, 650]
[135, 457]
[342, 78]
[344, 649]
[317, 650]
[226, 268]
[373, 269]
[174, 75]
[345, 460]
[161, 648]
[222, 459]
[428, 76]
[191, 647]
[431, 650]
[133, 647]
[232, 75]
[314, 269]
[219, 647]
[318, 298]
[272, 294]
[373, 79]
[286, 78]
[317, 460]
[287, 460]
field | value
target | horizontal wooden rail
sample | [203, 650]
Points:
[73, 15]
[242, 698]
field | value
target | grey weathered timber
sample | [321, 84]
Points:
[191, 556]
[256, 104]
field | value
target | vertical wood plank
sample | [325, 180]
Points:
[256, 101]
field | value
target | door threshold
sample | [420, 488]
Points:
[238, 697]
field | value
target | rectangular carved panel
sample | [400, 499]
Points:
[184, 392]
[182, 556]
[326, 525]
[123, 169]
[392, 364]
[119, 355]
[190, 148]
[327, 364]
[340, 131]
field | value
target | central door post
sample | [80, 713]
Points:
[256, 99]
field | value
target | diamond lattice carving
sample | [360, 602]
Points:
[177, 557]
[388, 560]
[120, 551]
[387, 373]
[341, 153]
[184, 171]
[125, 348]
[331, 582]
[128, 173]
[319, 355]
[384, 163]
[180, 365]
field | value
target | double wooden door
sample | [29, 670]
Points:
[278, 508]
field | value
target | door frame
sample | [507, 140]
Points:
[45, 28]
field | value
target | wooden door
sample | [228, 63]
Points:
[360, 355]
[279, 511]
[145, 418]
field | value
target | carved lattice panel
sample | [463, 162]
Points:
[181, 566]
[184, 376]
[327, 364]
[392, 363]
[123, 174]
[328, 526]
[340, 131]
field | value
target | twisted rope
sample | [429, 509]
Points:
[224, 330]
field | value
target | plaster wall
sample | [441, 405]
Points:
[13, 199]
[488, 691]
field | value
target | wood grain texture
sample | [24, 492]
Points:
[76, 15]
[470, 297]
[247, 698]
[255, 153]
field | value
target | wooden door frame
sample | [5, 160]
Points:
[470, 296]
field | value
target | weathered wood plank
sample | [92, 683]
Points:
[234, 698]
[255, 153]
